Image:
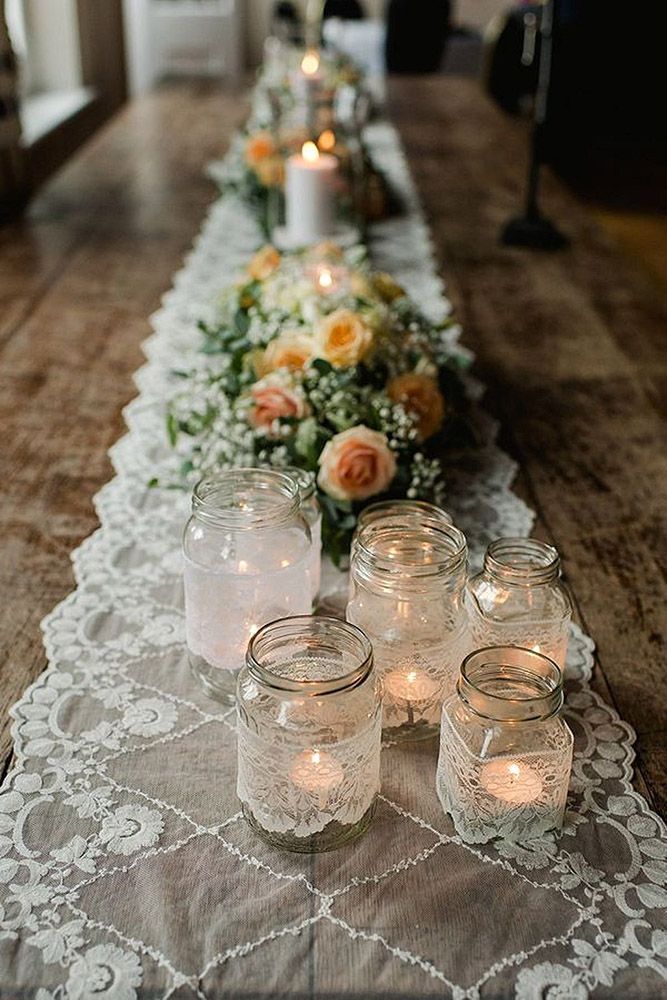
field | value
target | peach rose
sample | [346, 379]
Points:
[343, 338]
[264, 263]
[386, 287]
[420, 396]
[292, 349]
[271, 171]
[273, 398]
[258, 147]
[356, 464]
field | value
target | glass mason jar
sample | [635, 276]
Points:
[406, 593]
[518, 599]
[247, 551]
[412, 511]
[505, 752]
[310, 509]
[309, 732]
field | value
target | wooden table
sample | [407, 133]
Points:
[569, 344]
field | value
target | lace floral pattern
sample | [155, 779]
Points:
[125, 866]
[283, 799]
[477, 794]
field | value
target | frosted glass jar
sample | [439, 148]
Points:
[518, 599]
[310, 508]
[309, 731]
[505, 752]
[406, 593]
[247, 551]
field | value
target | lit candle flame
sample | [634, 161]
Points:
[310, 152]
[243, 566]
[310, 63]
[325, 278]
[327, 141]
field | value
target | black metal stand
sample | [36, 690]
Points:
[532, 229]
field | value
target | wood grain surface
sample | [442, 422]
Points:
[571, 346]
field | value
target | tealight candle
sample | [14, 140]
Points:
[310, 194]
[411, 691]
[316, 772]
[511, 781]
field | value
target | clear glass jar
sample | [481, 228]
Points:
[406, 593]
[309, 732]
[310, 508]
[518, 599]
[247, 551]
[505, 752]
[410, 511]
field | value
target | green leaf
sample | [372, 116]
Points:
[172, 429]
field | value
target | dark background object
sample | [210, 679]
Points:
[417, 32]
[348, 10]
[513, 57]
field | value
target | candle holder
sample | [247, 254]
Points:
[407, 576]
[401, 511]
[518, 599]
[309, 731]
[505, 752]
[248, 558]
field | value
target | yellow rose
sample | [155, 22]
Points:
[292, 349]
[271, 171]
[356, 464]
[420, 396]
[258, 147]
[342, 338]
[264, 263]
[386, 287]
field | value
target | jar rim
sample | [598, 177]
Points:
[503, 666]
[522, 562]
[218, 498]
[306, 481]
[303, 627]
[390, 508]
[449, 551]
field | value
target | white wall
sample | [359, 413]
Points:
[53, 59]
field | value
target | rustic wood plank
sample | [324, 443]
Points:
[572, 348]
[79, 277]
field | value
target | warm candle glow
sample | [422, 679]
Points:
[511, 781]
[310, 63]
[316, 772]
[327, 141]
[325, 278]
[310, 152]
[408, 684]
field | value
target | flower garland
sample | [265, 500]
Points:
[316, 360]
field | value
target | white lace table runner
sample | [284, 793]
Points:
[125, 866]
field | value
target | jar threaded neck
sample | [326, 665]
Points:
[511, 684]
[522, 562]
[246, 499]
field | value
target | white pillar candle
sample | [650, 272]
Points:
[310, 194]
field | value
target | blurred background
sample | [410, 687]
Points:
[66, 66]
